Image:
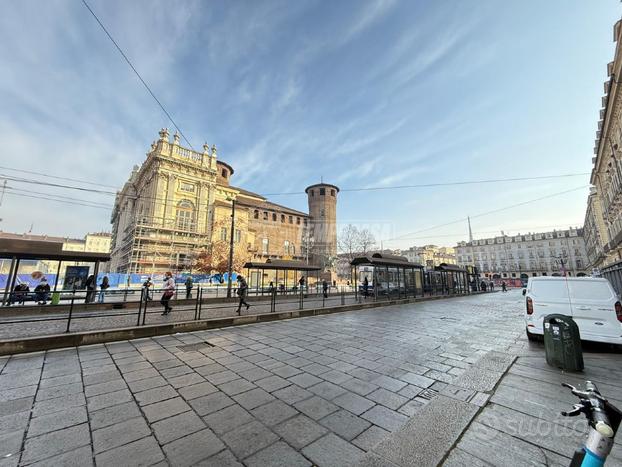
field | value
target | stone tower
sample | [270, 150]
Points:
[322, 199]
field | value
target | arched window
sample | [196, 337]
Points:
[274, 217]
[184, 215]
[256, 214]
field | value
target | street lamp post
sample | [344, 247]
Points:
[230, 269]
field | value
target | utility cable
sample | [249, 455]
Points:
[523, 203]
[431, 185]
[137, 73]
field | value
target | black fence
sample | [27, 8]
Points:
[83, 311]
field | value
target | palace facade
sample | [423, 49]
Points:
[179, 202]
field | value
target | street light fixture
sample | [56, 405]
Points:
[230, 268]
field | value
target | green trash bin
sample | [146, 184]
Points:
[562, 343]
[55, 298]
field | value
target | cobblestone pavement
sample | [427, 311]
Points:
[321, 390]
[56, 323]
[522, 425]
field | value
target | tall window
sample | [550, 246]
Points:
[223, 233]
[256, 214]
[274, 217]
[286, 247]
[332, 192]
[264, 246]
[322, 191]
[238, 236]
[291, 219]
[184, 214]
[282, 217]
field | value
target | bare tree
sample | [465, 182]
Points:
[367, 241]
[353, 242]
[348, 241]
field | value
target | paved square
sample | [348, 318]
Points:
[314, 391]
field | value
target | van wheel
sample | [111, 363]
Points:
[533, 337]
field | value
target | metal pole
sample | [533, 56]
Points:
[146, 303]
[140, 306]
[356, 286]
[273, 300]
[14, 278]
[200, 302]
[73, 296]
[7, 288]
[196, 306]
[57, 275]
[231, 249]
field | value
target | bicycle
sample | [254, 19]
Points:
[604, 420]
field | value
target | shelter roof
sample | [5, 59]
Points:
[36, 249]
[282, 264]
[383, 259]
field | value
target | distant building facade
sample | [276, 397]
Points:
[530, 255]
[179, 201]
[430, 256]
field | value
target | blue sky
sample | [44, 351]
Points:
[361, 93]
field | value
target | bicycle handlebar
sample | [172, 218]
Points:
[601, 415]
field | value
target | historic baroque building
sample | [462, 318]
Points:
[179, 201]
[523, 256]
[603, 218]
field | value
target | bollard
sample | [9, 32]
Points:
[140, 306]
[273, 301]
[343, 297]
[301, 300]
[70, 312]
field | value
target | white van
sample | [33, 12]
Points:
[592, 303]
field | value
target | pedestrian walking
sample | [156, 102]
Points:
[504, 287]
[91, 287]
[301, 284]
[146, 287]
[483, 286]
[271, 288]
[366, 287]
[169, 291]
[189, 284]
[492, 286]
[105, 285]
[42, 291]
[325, 288]
[242, 292]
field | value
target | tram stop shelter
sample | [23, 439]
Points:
[392, 275]
[453, 279]
[283, 274]
[21, 251]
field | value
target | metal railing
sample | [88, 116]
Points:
[81, 310]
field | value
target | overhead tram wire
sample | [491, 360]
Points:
[137, 73]
[463, 219]
[94, 204]
[432, 185]
[398, 187]
[74, 203]
[30, 172]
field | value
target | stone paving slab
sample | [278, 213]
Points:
[425, 439]
[322, 390]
